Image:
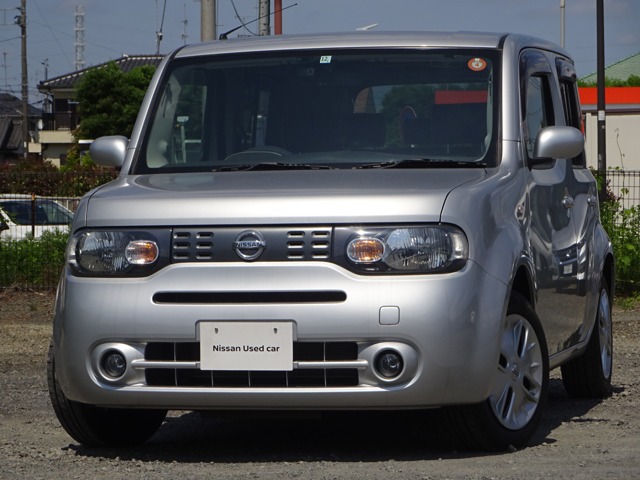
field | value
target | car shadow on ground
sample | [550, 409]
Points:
[336, 436]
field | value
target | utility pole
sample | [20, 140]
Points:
[184, 26]
[602, 138]
[277, 17]
[21, 20]
[207, 20]
[264, 26]
[562, 13]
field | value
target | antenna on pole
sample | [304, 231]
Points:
[6, 83]
[79, 43]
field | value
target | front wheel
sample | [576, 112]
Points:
[589, 375]
[509, 417]
[100, 427]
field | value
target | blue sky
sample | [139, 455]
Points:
[116, 27]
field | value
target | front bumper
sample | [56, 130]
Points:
[445, 326]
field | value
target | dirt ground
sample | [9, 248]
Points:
[577, 439]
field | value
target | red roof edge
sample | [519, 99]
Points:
[612, 95]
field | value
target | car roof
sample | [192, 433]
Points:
[365, 39]
[345, 40]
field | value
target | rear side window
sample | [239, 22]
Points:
[570, 102]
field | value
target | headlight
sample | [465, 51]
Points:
[419, 249]
[114, 253]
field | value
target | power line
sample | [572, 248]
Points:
[240, 19]
[51, 31]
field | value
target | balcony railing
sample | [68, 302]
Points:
[60, 121]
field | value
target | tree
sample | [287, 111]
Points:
[109, 100]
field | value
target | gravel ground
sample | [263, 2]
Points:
[577, 439]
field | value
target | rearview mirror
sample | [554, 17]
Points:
[109, 151]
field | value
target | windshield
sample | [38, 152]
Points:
[334, 109]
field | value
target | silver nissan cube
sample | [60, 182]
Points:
[367, 221]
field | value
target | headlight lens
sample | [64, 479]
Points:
[420, 249]
[112, 253]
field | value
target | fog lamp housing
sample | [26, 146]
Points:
[388, 364]
[113, 364]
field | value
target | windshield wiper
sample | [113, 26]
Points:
[266, 166]
[423, 163]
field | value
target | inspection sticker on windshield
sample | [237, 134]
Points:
[246, 346]
[477, 64]
[325, 59]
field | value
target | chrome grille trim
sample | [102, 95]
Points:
[297, 365]
[315, 364]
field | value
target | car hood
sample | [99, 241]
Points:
[282, 197]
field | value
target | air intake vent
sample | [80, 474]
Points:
[309, 244]
[318, 352]
[192, 245]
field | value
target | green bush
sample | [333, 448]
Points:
[32, 262]
[30, 176]
[623, 227]
[33, 176]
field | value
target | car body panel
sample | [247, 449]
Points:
[522, 235]
[294, 197]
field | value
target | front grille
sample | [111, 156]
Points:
[300, 378]
[308, 245]
[216, 244]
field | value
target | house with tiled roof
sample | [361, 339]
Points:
[620, 70]
[60, 117]
[622, 117]
[11, 148]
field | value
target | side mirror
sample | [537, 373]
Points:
[557, 142]
[109, 151]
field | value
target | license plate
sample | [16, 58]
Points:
[246, 346]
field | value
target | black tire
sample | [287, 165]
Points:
[510, 416]
[101, 427]
[589, 375]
